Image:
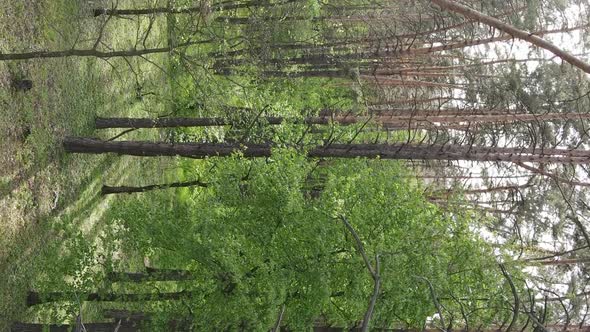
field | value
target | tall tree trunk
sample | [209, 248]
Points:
[363, 18]
[402, 118]
[149, 149]
[388, 81]
[479, 64]
[102, 123]
[169, 10]
[449, 192]
[580, 260]
[438, 113]
[415, 101]
[383, 151]
[151, 275]
[92, 53]
[496, 189]
[462, 177]
[35, 298]
[108, 190]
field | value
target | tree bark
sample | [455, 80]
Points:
[383, 151]
[91, 53]
[168, 10]
[108, 190]
[512, 31]
[35, 298]
[415, 101]
[401, 117]
[449, 192]
[103, 123]
[151, 275]
[582, 260]
[149, 149]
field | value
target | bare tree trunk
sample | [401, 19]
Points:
[475, 115]
[151, 275]
[581, 260]
[108, 190]
[91, 53]
[418, 113]
[103, 123]
[35, 298]
[446, 193]
[401, 118]
[383, 151]
[415, 101]
[149, 149]
[168, 10]
[357, 329]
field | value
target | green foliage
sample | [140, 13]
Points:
[256, 240]
[268, 233]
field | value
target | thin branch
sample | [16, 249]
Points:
[434, 300]
[121, 134]
[374, 273]
[516, 298]
[359, 245]
[277, 326]
[376, 289]
[575, 218]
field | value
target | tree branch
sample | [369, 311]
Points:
[374, 273]
[516, 298]
[434, 300]
[551, 175]
[376, 289]
[359, 245]
[513, 31]
[277, 326]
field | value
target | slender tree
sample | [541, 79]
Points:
[383, 151]
[222, 6]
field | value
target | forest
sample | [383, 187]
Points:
[294, 165]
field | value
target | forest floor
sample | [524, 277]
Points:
[43, 191]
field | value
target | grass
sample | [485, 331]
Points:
[51, 212]
[43, 190]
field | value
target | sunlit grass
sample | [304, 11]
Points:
[42, 188]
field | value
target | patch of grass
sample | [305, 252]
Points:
[40, 185]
